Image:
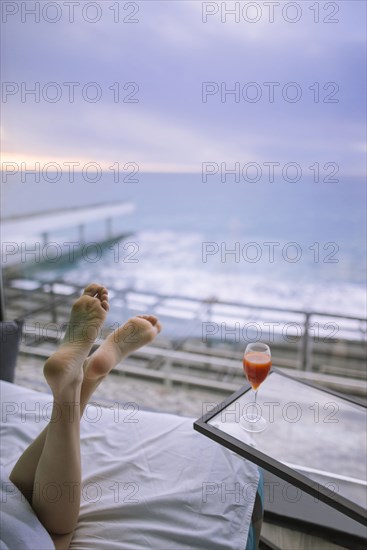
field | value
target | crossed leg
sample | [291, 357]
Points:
[54, 456]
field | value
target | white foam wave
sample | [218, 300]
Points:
[170, 263]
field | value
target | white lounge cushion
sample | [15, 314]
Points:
[149, 480]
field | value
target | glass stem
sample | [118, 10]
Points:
[254, 406]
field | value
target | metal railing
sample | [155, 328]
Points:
[311, 337]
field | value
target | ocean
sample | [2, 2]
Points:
[298, 245]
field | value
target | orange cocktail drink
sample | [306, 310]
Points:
[256, 365]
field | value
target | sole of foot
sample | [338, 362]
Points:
[135, 333]
[64, 368]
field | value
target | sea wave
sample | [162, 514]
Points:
[171, 263]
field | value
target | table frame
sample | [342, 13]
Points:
[297, 479]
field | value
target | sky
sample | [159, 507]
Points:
[159, 56]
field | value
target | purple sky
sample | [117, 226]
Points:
[168, 54]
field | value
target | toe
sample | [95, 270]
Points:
[93, 289]
[105, 304]
[153, 320]
[103, 296]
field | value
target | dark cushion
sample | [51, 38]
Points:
[10, 337]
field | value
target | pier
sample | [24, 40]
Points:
[29, 240]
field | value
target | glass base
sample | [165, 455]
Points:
[253, 423]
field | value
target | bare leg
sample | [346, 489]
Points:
[87, 316]
[57, 482]
[136, 332]
[53, 460]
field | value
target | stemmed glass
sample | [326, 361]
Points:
[256, 365]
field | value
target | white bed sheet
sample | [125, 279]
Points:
[19, 525]
[149, 480]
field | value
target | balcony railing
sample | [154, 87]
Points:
[209, 331]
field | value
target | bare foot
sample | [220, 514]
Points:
[135, 333]
[64, 368]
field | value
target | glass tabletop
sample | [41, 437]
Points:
[318, 434]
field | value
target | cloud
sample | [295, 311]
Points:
[169, 54]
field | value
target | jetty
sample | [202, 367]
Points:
[31, 240]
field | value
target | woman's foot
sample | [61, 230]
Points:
[64, 368]
[135, 333]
